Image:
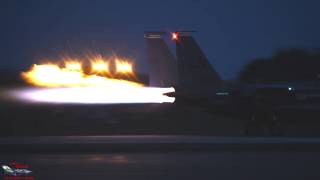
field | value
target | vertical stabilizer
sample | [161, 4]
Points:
[162, 63]
[196, 74]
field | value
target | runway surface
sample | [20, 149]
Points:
[159, 143]
[221, 165]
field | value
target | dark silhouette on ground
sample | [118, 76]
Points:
[273, 101]
[284, 66]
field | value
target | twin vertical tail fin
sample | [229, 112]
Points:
[196, 74]
[191, 74]
[162, 63]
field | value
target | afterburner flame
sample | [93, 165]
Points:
[101, 82]
[123, 67]
[72, 75]
[95, 95]
[73, 66]
[99, 65]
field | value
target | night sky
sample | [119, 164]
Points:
[230, 32]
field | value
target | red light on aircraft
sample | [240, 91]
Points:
[175, 36]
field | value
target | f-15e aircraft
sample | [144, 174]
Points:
[193, 77]
[198, 83]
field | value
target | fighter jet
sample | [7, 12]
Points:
[191, 74]
[197, 83]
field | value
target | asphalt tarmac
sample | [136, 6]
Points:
[243, 158]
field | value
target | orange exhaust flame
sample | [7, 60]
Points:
[73, 65]
[72, 83]
[72, 75]
[99, 65]
[123, 67]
